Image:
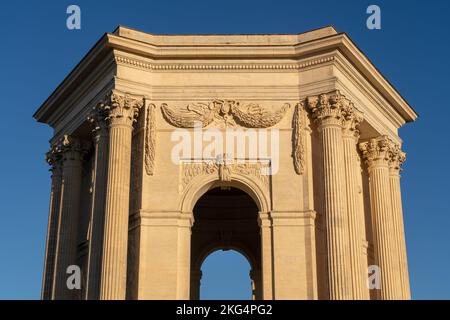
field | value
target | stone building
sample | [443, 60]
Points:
[310, 215]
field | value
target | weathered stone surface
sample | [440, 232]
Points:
[316, 204]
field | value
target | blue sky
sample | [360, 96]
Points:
[38, 51]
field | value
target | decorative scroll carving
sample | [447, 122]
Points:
[224, 168]
[150, 140]
[299, 138]
[228, 113]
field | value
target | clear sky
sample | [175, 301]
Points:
[38, 51]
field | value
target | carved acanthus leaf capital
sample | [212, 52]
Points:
[73, 148]
[396, 158]
[333, 108]
[376, 151]
[54, 158]
[118, 108]
[383, 150]
[352, 118]
[98, 119]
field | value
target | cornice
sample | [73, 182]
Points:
[290, 51]
[375, 78]
[76, 77]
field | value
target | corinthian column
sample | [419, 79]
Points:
[53, 159]
[350, 134]
[396, 158]
[121, 111]
[327, 110]
[72, 154]
[98, 119]
[376, 154]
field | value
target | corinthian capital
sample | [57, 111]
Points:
[54, 158]
[383, 150]
[72, 149]
[376, 151]
[118, 108]
[333, 108]
[352, 118]
[396, 158]
[98, 118]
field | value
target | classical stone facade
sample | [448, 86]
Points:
[311, 216]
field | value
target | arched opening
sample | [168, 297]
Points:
[225, 218]
[226, 276]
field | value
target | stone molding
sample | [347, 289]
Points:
[137, 63]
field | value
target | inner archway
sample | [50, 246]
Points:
[225, 218]
[226, 276]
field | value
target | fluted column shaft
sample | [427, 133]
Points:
[121, 113]
[69, 216]
[355, 214]
[377, 157]
[396, 158]
[54, 159]
[101, 141]
[327, 110]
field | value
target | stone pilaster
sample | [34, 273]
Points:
[54, 160]
[184, 255]
[376, 154]
[98, 119]
[294, 271]
[358, 262]
[121, 112]
[396, 158]
[327, 110]
[265, 225]
[72, 156]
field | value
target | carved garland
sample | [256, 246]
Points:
[299, 138]
[224, 168]
[228, 113]
[150, 140]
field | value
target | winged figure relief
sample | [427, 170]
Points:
[224, 112]
[255, 116]
[187, 117]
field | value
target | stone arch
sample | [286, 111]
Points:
[213, 247]
[200, 185]
[212, 234]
